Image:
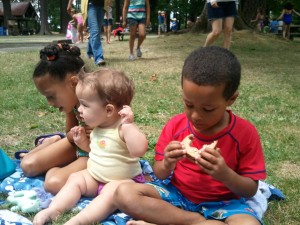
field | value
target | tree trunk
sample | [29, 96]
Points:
[201, 24]
[65, 17]
[44, 18]
[7, 11]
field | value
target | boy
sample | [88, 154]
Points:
[212, 188]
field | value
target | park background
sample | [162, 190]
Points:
[269, 97]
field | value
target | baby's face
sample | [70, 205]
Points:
[205, 106]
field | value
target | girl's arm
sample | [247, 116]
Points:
[148, 13]
[256, 19]
[124, 13]
[80, 138]
[281, 15]
[296, 12]
[71, 121]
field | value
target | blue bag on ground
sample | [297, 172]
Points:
[7, 166]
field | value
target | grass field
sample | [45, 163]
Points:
[269, 98]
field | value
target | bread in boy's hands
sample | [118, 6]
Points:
[191, 152]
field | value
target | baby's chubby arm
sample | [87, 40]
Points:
[80, 138]
[173, 152]
[212, 163]
[135, 140]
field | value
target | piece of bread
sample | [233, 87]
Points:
[192, 152]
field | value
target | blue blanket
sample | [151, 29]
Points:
[18, 183]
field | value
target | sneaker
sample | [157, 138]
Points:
[101, 62]
[139, 53]
[131, 57]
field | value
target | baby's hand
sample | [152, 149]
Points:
[79, 134]
[126, 114]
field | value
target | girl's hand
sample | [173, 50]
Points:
[212, 162]
[174, 152]
[126, 115]
[214, 4]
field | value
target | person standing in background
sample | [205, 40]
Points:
[93, 14]
[136, 14]
[221, 13]
[107, 23]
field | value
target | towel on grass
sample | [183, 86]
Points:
[18, 182]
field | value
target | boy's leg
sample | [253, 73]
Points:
[143, 202]
[78, 184]
[242, 219]
[100, 208]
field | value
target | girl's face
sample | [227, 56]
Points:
[205, 107]
[59, 94]
[92, 109]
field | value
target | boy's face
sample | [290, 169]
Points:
[205, 107]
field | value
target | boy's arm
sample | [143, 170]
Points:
[212, 163]
[173, 152]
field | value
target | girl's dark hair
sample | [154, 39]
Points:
[213, 66]
[288, 6]
[58, 60]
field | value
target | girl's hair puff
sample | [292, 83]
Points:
[112, 86]
[58, 60]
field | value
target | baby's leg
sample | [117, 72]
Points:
[242, 219]
[78, 184]
[100, 208]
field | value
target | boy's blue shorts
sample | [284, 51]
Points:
[210, 210]
[225, 9]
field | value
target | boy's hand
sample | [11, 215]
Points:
[174, 152]
[212, 162]
[126, 115]
[214, 4]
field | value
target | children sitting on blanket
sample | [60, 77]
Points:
[211, 189]
[115, 146]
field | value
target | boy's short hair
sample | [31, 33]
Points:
[112, 86]
[214, 66]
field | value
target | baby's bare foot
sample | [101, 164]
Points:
[45, 215]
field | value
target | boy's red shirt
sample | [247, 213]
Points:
[239, 144]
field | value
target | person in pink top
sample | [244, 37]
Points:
[212, 188]
[77, 17]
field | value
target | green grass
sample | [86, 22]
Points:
[269, 98]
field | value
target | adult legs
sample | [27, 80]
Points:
[228, 27]
[215, 33]
[143, 202]
[95, 18]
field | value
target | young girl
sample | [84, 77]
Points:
[136, 14]
[107, 22]
[55, 77]
[260, 16]
[115, 147]
[287, 19]
[77, 17]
